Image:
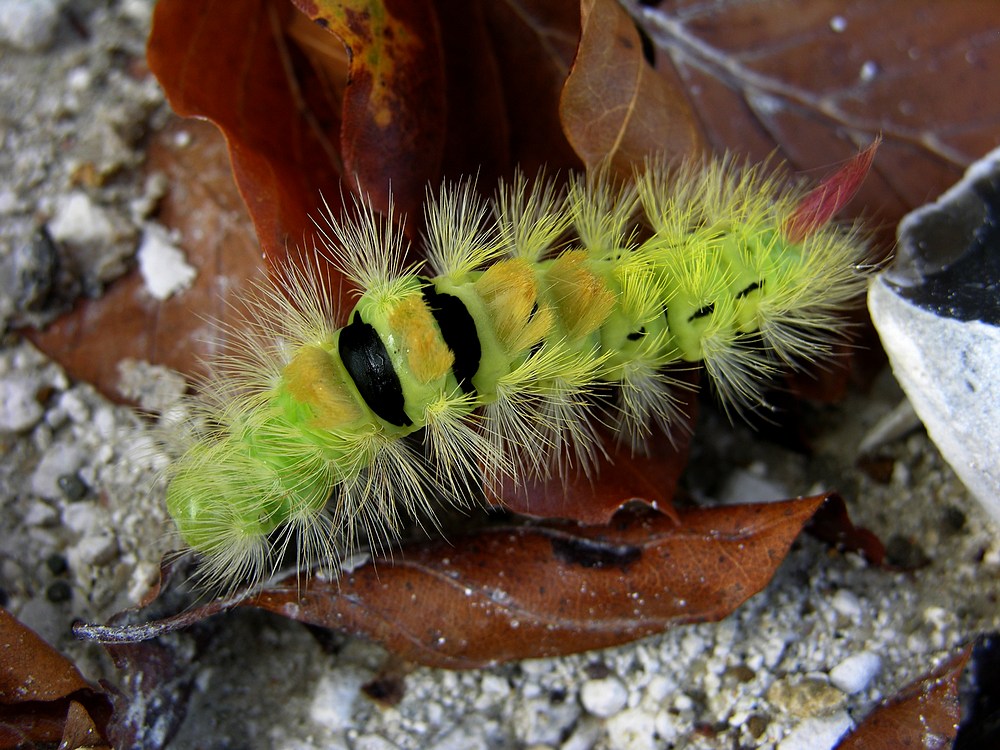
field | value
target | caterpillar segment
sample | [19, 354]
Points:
[494, 348]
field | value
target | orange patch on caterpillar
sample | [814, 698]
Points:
[510, 290]
[427, 356]
[312, 378]
[583, 298]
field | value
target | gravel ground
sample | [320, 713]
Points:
[82, 527]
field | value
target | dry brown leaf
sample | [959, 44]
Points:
[43, 697]
[923, 715]
[230, 62]
[516, 592]
[614, 107]
[817, 81]
[534, 591]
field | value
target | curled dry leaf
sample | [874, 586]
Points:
[424, 90]
[826, 200]
[533, 43]
[924, 714]
[230, 62]
[537, 591]
[394, 110]
[516, 592]
[614, 106]
[832, 525]
[43, 697]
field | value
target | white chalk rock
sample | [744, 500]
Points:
[856, 672]
[29, 24]
[603, 698]
[937, 311]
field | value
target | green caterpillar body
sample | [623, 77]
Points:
[497, 355]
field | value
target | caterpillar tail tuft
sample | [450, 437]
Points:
[495, 349]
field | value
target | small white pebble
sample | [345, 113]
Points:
[19, 409]
[604, 697]
[666, 726]
[856, 672]
[104, 422]
[29, 24]
[75, 406]
[683, 702]
[334, 697]
[9, 202]
[98, 549]
[820, 733]
[78, 219]
[78, 79]
[144, 576]
[163, 266]
[373, 742]
[83, 517]
[847, 604]
[59, 460]
[494, 685]
[40, 514]
[632, 730]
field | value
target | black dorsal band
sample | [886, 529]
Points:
[458, 329]
[368, 363]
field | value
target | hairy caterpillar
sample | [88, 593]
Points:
[494, 348]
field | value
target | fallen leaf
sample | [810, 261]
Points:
[534, 42]
[393, 113]
[537, 590]
[42, 695]
[832, 525]
[80, 730]
[230, 62]
[826, 200]
[817, 84]
[156, 680]
[922, 715]
[614, 107]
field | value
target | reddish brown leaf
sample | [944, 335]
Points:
[614, 106]
[39, 687]
[203, 206]
[826, 79]
[231, 63]
[155, 682]
[394, 104]
[479, 130]
[923, 715]
[80, 730]
[287, 122]
[30, 669]
[534, 591]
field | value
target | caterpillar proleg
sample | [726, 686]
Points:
[494, 347]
